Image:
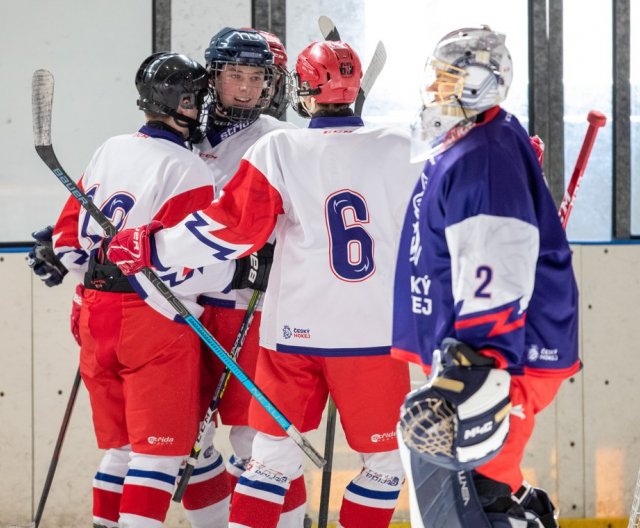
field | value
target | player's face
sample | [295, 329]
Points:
[189, 107]
[240, 85]
[441, 83]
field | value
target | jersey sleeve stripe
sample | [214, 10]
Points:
[176, 208]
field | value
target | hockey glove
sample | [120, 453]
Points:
[130, 249]
[253, 270]
[460, 418]
[538, 147]
[76, 306]
[43, 261]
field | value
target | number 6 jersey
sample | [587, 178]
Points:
[336, 194]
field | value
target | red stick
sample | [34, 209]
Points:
[596, 121]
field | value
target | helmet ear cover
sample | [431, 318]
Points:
[304, 90]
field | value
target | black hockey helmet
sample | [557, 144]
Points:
[167, 81]
[231, 47]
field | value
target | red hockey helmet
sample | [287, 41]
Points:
[330, 71]
[279, 94]
[277, 48]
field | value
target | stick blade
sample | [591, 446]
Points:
[369, 78]
[41, 105]
[328, 28]
[375, 67]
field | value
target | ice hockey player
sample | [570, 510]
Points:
[248, 79]
[239, 63]
[143, 370]
[335, 193]
[484, 276]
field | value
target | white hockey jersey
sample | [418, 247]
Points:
[134, 179]
[222, 151]
[336, 194]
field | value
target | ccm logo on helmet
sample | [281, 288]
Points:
[478, 429]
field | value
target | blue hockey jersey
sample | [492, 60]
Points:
[483, 258]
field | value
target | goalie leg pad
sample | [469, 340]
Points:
[444, 498]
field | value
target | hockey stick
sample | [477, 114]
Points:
[330, 32]
[373, 70]
[596, 121]
[328, 28]
[42, 101]
[56, 452]
[215, 401]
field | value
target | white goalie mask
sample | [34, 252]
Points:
[469, 72]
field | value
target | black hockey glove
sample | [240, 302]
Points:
[253, 270]
[43, 261]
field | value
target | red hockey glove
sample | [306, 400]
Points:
[76, 306]
[130, 249]
[538, 146]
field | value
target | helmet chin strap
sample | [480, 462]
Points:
[196, 135]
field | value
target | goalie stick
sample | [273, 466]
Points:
[42, 101]
[213, 406]
[596, 121]
[330, 32]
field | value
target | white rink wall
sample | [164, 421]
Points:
[586, 449]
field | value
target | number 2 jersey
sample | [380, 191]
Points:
[134, 179]
[336, 194]
[484, 259]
